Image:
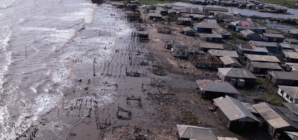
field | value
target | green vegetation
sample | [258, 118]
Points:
[273, 98]
[262, 81]
[190, 118]
[227, 47]
[159, 72]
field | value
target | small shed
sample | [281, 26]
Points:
[294, 33]
[288, 47]
[270, 46]
[180, 51]
[170, 43]
[188, 31]
[236, 76]
[189, 132]
[273, 37]
[234, 114]
[263, 67]
[292, 107]
[156, 16]
[224, 33]
[283, 78]
[291, 67]
[211, 89]
[207, 9]
[243, 49]
[261, 58]
[184, 21]
[206, 26]
[212, 37]
[277, 122]
[291, 41]
[230, 62]
[220, 53]
[207, 46]
[250, 35]
[289, 93]
[291, 56]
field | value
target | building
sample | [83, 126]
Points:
[250, 35]
[211, 89]
[189, 132]
[188, 31]
[180, 51]
[291, 135]
[291, 67]
[234, 114]
[219, 9]
[208, 46]
[291, 41]
[294, 33]
[206, 26]
[156, 16]
[282, 78]
[270, 46]
[230, 62]
[273, 37]
[263, 67]
[292, 107]
[291, 56]
[261, 58]
[169, 44]
[289, 93]
[276, 121]
[224, 33]
[243, 49]
[184, 21]
[236, 76]
[288, 47]
[220, 53]
[212, 37]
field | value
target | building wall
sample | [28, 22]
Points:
[223, 117]
[286, 96]
[244, 124]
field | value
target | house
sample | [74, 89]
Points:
[183, 21]
[273, 37]
[277, 122]
[230, 62]
[180, 51]
[224, 33]
[206, 26]
[288, 47]
[270, 46]
[226, 138]
[212, 37]
[282, 78]
[263, 67]
[244, 24]
[289, 93]
[161, 10]
[211, 89]
[291, 67]
[234, 114]
[207, 9]
[156, 16]
[261, 58]
[189, 132]
[294, 33]
[291, 56]
[188, 31]
[236, 76]
[250, 35]
[291, 41]
[292, 107]
[207, 46]
[220, 53]
[243, 49]
[169, 44]
[291, 135]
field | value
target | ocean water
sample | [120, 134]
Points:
[45, 47]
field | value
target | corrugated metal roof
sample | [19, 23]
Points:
[284, 75]
[288, 113]
[292, 91]
[274, 119]
[293, 107]
[210, 24]
[292, 55]
[232, 54]
[263, 44]
[211, 46]
[184, 19]
[293, 135]
[154, 15]
[195, 132]
[237, 73]
[249, 107]
[262, 58]
[226, 138]
[227, 60]
[233, 109]
[247, 32]
[265, 65]
[210, 36]
[216, 86]
[273, 35]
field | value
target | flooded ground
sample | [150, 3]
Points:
[246, 12]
